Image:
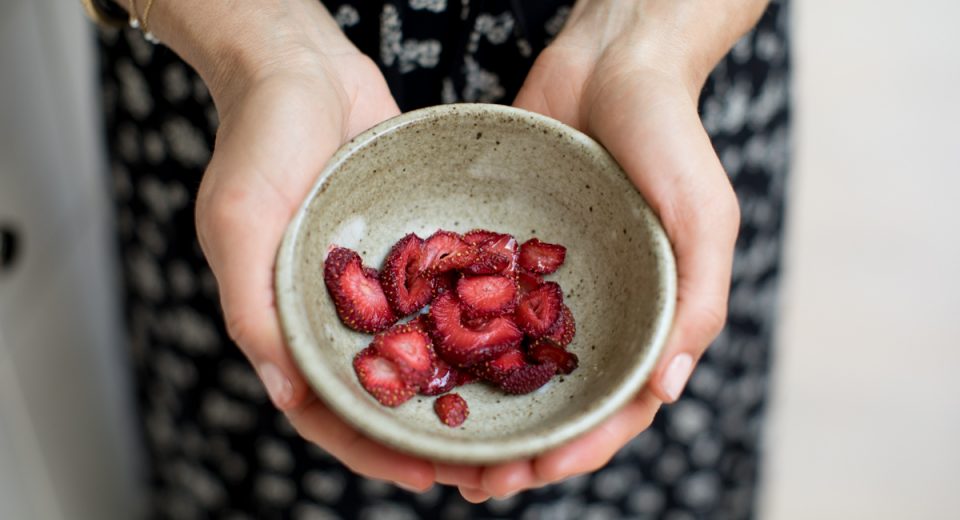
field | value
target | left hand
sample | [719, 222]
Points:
[629, 74]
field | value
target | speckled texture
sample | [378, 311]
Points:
[460, 167]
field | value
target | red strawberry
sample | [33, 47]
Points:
[486, 296]
[451, 409]
[381, 378]
[445, 250]
[478, 237]
[488, 263]
[445, 282]
[410, 350]
[564, 329]
[545, 351]
[356, 292]
[539, 309]
[497, 252]
[463, 346]
[464, 377]
[443, 379]
[541, 257]
[406, 290]
[513, 374]
[496, 369]
[419, 323]
[528, 281]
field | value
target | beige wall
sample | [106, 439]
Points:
[866, 415]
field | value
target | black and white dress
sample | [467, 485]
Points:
[217, 448]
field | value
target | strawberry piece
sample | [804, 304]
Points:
[497, 252]
[539, 309]
[451, 409]
[443, 379]
[564, 329]
[527, 281]
[488, 262]
[445, 282]
[445, 250]
[486, 296]
[496, 369]
[407, 291]
[463, 346]
[465, 377]
[381, 378]
[410, 350]
[356, 292]
[545, 351]
[478, 237]
[541, 257]
[419, 323]
[512, 373]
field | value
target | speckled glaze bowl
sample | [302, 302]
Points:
[460, 167]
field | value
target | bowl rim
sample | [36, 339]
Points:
[328, 387]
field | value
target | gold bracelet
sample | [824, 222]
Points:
[101, 16]
[141, 23]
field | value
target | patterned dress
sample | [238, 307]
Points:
[218, 448]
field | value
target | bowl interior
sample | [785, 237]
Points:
[460, 167]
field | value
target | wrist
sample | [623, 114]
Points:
[680, 39]
[235, 45]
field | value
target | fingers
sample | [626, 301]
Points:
[456, 475]
[593, 450]
[507, 479]
[316, 423]
[473, 495]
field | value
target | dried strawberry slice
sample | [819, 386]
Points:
[410, 350]
[564, 329]
[420, 323]
[445, 282]
[407, 291]
[478, 237]
[486, 296]
[541, 257]
[512, 373]
[443, 379]
[527, 281]
[381, 378]
[545, 351]
[488, 263]
[451, 409]
[539, 309]
[445, 250]
[463, 346]
[356, 292]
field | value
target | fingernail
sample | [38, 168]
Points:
[278, 386]
[406, 487]
[675, 378]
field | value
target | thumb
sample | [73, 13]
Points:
[266, 158]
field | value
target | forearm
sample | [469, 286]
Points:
[233, 43]
[682, 37]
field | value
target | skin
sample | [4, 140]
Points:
[290, 89]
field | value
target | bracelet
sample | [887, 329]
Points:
[137, 22]
[105, 12]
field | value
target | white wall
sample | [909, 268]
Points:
[66, 439]
[866, 412]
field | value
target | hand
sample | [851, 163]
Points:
[615, 73]
[286, 103]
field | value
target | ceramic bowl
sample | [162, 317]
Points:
[460, 167]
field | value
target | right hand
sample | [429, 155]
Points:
[289, 89]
